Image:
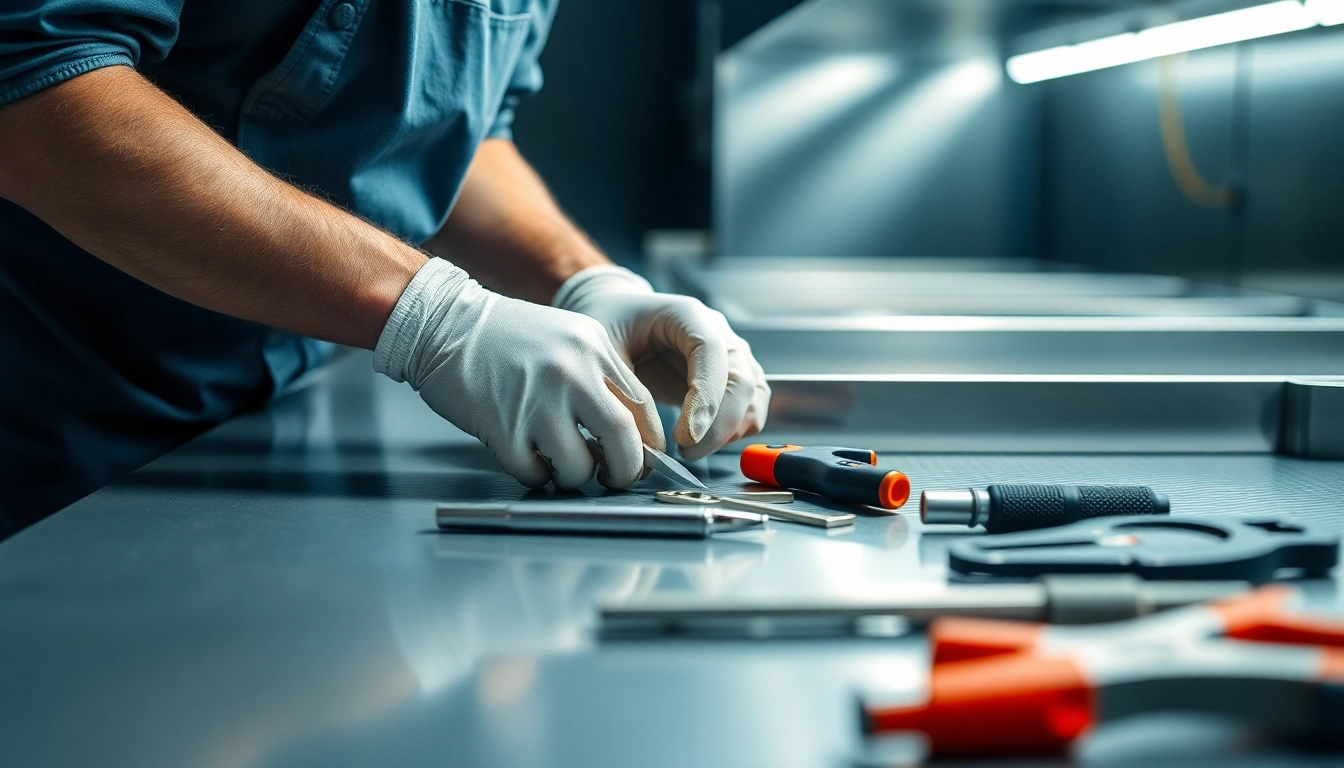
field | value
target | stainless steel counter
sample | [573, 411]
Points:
[274, 593]
[985, 316]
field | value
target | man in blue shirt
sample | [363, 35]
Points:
[195, 192]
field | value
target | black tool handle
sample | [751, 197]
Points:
[846, 480]
[1028, 507]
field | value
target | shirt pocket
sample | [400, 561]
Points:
[380, 105]
[304, 80]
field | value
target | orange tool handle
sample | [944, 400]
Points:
[1014, 704]
[848, 475]
[1260, 616]
[990, 692]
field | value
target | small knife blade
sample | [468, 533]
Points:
[670, 468]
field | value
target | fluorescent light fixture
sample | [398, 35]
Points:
[1326, 12]
[1179, 37]
[1075, 59]
[1224, 28]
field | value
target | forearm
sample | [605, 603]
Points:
[508, 232]
[129, 175]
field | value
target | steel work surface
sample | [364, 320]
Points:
[275, 593]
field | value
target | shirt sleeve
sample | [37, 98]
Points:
[526, 79]
[45, 42]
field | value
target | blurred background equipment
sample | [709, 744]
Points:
[833, 128]
[1103, 226]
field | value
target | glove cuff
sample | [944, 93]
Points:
[421, 308]
[603, 278]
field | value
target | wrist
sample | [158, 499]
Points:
[377, 293]
[423, 306]
[601, 278]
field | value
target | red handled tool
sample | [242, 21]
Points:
[1004, 687]
[849, 475]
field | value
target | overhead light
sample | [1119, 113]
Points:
[1179, 37]
[1075, 59]
[1326, 12]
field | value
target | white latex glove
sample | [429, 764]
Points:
[682, 350]
[520, 377]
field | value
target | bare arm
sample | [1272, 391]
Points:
[131, 176]
[508, 232]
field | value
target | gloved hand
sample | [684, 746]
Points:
[519, 377]
[684, 351]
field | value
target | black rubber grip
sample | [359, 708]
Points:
[852, 482]
[1028, 507]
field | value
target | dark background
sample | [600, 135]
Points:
[613, 132]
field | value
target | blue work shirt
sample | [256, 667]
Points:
[378, 105]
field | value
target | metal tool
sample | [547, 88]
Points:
[1002, 687]
[765, 497]
[848, 475]
[1214, 547]
[1007, 508]
[547, 517]
[1052, 599]
[779, 513]
[670, 468]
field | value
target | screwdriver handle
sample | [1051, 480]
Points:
[1028, 507]
[847, 475]
[1009, 508]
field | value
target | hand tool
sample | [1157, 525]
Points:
[848, 475]
[1003, 687]
[1213, 547]
[670, 468]
[631, 520]
[1007, 508]
[770, 510]
[1052, 599]
[765, 497]
[654, 459]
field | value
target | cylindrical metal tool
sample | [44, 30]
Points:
[1052, 599]
[1007, 508]
[544, 517]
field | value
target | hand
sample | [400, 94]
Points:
[684, 351]
[520, 377]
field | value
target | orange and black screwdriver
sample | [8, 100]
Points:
[848, 475]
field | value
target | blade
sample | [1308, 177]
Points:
[667, 467]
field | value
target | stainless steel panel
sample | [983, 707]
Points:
[762, 287]
[866, 319]
[1313, 418]
[836, 263]
[1270, 346]
[740, 306]
[1029, 414]
[783, 284]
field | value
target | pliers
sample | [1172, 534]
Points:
[1004, 687]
